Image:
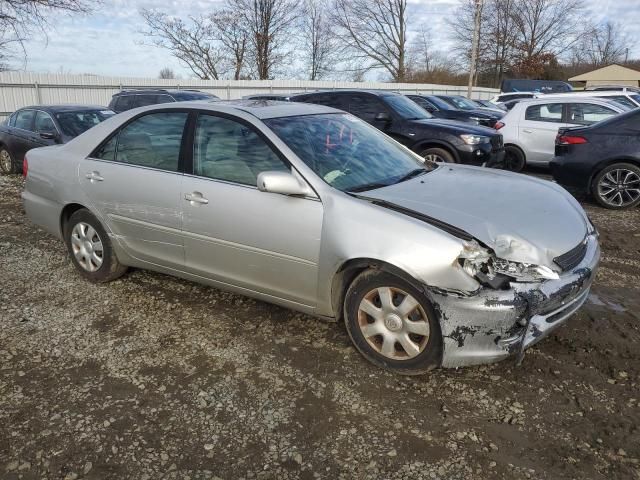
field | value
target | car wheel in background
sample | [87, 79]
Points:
[392, 323]
[437, 155]
[617, 186]
[514, 159]
[90, 248]
[7, 165]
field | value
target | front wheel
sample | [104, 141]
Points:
[392, 323]
[437, 155]
[90, 248]
[7, 164]
[617, 186]
[514, 159]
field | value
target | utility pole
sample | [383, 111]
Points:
[477, 18]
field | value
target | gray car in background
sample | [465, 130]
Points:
[311, 208]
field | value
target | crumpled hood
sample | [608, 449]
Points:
[521, 218]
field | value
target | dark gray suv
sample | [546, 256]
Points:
[128, 99]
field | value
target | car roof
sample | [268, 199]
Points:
[379, 93]
[262, 109]
[64, 108]
[143, 91]
[562, 98]
[591, 93]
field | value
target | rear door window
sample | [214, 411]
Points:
[546, 112]
[328, 100]
[44, 123]
[366, 107]
[124, 103]
[24, 119]
[587, 113]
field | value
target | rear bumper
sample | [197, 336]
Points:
[574, 176]
[491, 325]
[43, 212]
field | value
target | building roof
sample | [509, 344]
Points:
[613, 72]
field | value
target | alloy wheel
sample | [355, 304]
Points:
[619, 187]
[87, 246]
[393, 323]
[6, 164]
[435, 158]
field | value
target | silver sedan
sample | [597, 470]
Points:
[313, 209]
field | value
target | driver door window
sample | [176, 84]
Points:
[44, 123]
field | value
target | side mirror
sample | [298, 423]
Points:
[48, 135]
[284, 183]
[383, 117]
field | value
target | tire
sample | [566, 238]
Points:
[420, 329]
[82, 235]
[514, 159]
[7, 162]
[617, 186]
[437, 155]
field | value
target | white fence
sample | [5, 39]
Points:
[19, 89]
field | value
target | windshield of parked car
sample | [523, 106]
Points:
[462, 103]
[406, 108]
[347, 152]
[441, 104]
[75, 123]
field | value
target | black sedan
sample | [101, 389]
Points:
[441, 109]
[602, 160]
[43, 125]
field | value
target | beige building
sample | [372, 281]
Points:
[610, 75]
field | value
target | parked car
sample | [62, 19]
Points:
[441, 109]
[128, 99]
[489, 104]
[434, 139]
[313, 209]
[602, 160]
[612, 88]
[629, 99]
[42, 125]
[530, 128]
[463, 103]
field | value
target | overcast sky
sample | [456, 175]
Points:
[108, 41]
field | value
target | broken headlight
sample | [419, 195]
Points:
[489, 269]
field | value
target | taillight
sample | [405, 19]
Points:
[498, 125]
[570, 140]
[25, 166]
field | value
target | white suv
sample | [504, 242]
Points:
[530, 128]
[628, 98]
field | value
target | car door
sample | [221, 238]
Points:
[238, 235]
[133, 181]
[23, 137]
[538, 128]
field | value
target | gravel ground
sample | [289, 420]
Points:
[153, 377]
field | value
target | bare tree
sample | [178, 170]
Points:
[18, 19]
[166, 74]
[270, 24]
[375, 31]
[319, 43]
[233, 34]
[192, 43]
[606, 45]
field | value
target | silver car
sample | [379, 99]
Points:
[313, 209]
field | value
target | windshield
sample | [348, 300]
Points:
[441, 104]
[636, 98]
[406, 108]
[346, 152]
[462, 103]
[75, 123]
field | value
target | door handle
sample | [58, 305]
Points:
[94, 177]
[526, 130]
[196, 197]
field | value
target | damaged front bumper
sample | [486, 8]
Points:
[490, 325]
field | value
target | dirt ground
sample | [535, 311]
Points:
[153, 377]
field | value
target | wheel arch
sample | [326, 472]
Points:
[608, 162]
[350, 269]
[68, 210]
[423, 145]
[517, 147]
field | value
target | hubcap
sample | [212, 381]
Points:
[87, 247]
[5, 161]
[394, 323]
[619, 187]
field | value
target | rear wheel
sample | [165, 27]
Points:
[437, 155]
[7, 164]
[392, 323]
[90, 248]
[617, 186]
[514, 159]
